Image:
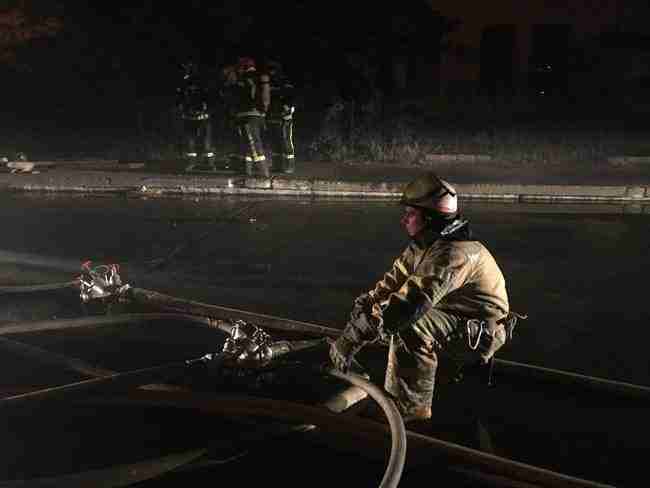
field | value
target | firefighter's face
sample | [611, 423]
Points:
[413, 220]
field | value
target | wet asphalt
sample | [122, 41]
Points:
[574, 269]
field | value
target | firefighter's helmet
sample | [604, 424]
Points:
[190, 68]
[431, 192]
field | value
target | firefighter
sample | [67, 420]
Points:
[192, 106]
[250, 99]
[444, 298]
[227, 95]
[279, 119]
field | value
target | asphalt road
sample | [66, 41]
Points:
[575, 270]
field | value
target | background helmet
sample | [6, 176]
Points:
[190, 68]
[432, 193]
[245, 63]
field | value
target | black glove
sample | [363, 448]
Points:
[359, 331]
[402, 313]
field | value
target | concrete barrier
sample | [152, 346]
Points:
[137, 183]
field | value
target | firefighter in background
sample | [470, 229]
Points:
[250, 98]
[279, 119]
[192, 106]
[227, 94]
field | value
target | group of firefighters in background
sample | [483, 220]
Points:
[251, 106]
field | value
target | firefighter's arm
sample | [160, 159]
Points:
[422, 292]
[265, 91]
[393, 279]
[410, 304]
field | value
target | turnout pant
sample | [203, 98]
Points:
[280, 130]
[414, 353]
[251, 147]
[197, 137]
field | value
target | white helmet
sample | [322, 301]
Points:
[433, 193]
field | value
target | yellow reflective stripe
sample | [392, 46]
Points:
[251, 142]
[399, 264]
[250, 113]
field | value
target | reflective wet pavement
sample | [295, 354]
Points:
[577, 271]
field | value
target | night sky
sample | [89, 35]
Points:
[150, 40]
[111, 59]
[111, 42]
[153, 37]
[114, 53]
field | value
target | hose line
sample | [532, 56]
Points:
[240, 406]
[110, 379]
[107, 320]
[397, 458]
[6, 290]
[204, 314]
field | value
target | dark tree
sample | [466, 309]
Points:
[24, 22]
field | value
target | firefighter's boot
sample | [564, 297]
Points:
[288, 165]
[262, 169]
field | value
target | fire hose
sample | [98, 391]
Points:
[142, 376]
[6, 290]
[494, 464]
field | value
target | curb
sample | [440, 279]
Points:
[623, 160]
[129, 183]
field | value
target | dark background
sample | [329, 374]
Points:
[116, 66]
[123, 54]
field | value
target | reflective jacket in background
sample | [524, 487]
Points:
[250, 94]
[282, 97]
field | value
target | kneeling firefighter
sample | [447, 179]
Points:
[444, 297]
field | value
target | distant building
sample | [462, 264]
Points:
[511, 46]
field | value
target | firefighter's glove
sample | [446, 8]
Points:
[400, 314]
[361, 329]
[342, 352]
